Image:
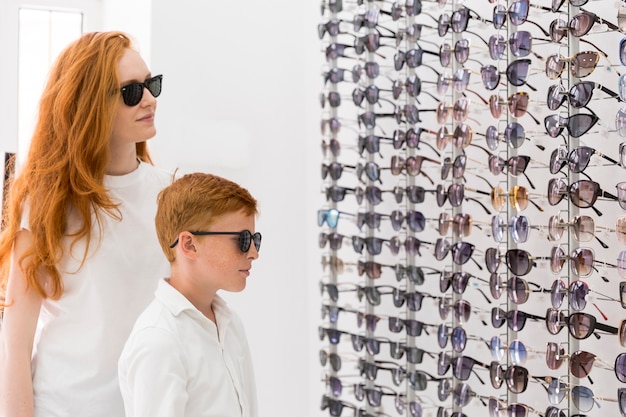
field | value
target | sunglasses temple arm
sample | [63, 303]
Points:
[609, 92]
[481, 204]
[604, 245]
[608, 158]
[530, 183]
[537, 206]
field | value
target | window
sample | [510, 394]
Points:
[42, 36]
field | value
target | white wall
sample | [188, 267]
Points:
[239, 100]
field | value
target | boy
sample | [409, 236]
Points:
[188, 355]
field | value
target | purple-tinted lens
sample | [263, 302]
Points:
[520, 43]
[497, 45]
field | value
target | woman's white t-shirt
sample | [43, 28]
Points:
[80, 336]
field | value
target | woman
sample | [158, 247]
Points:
[79, 253]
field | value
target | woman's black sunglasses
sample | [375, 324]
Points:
[133, 93]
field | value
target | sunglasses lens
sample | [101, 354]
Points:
[518, 261]
[518, 12]
[620, 367]
[517, 290]
[517, 352]
[581, 363]
[556, 391]
[557, 30]
[556, 227]
[458, 339]
[556, 96]
[495, 285]
[520, 43]
[132, 94]
[519, 228]
[621, 264]
[554, 355]
[497, 45]
[557, 293]
[492, 137]
[496, 374]
[578, 291]
[584, 228]
[497, 228]
[498, 317]
[462, 252]
[580, 123]
[580, 94]
[554, 320]
[583, 398]
[557, 259]
[516, 378]
[515, 135]
[621, 194]
[490, 76]
[456, 194]
[492, 259]
[154, 85]
[496, 346]
[581, 261]
[499, 16]
[517, 71]
[557, 188]
[555, 64]
[581, 325]
[584, 193]
[581, 24]
[584, 63]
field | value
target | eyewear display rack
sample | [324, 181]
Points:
[471, 236]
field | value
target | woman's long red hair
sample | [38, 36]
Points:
[67, 159]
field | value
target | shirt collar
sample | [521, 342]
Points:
[177, 303]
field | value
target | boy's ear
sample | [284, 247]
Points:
[187, 244]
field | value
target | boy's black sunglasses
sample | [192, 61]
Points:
[132, 93]
[245, 238]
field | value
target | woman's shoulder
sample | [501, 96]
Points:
[159, 175]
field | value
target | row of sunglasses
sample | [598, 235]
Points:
[462, 224]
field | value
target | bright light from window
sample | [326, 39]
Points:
[42, 36]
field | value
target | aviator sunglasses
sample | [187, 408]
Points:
[133, 93]
[246, 238]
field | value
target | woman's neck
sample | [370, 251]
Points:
[122, 162]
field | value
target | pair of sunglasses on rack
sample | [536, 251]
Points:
[581, 325]
[518, 261]
[518, 290]
[583, 227]
[581, 193]
[577, 160]
[581, 362]
[458, 21]
[581, 261]
[517, 14]
[581, 64]
[576, 125]
[578, 95]
[519, 42]
[516, 74]
[577, 292]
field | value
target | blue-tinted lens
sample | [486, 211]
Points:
[459, 339]
[583, 398]
[517, 352]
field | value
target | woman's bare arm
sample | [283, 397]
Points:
[16, 338]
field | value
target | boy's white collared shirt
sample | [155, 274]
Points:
[178, 363]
